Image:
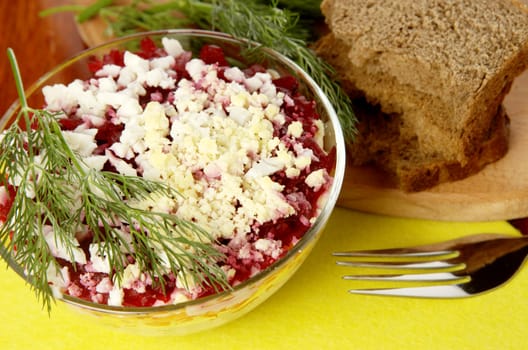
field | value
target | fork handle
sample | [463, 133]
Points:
[480, 254]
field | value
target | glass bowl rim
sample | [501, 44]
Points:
[313, 231]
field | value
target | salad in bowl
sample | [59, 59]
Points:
[169, 181]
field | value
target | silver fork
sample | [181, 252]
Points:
[452, 269]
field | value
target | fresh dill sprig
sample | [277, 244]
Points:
[56, 191]
[273, 23]
[306, 8]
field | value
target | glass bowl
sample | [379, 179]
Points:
[217, 309]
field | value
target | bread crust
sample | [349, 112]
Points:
[435, 172]
[378, 144]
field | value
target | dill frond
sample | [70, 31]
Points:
[58, 196]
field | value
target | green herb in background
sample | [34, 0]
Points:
[285, 26]
[55, 188]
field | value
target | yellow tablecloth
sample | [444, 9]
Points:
[313, 310]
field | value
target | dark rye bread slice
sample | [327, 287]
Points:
[379, 144]
[443, 67]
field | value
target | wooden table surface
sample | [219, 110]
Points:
[39, 43]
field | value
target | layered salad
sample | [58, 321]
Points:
[241, 146]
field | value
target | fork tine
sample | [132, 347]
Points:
[395, 265]
[420, 267]
[429, 273]
[390, 253]
[445, 278]
[440, 291]
[426, 285]
[384, 257]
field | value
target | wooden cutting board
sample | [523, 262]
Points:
[499, 192]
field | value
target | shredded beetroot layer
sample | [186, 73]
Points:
[287, 230]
